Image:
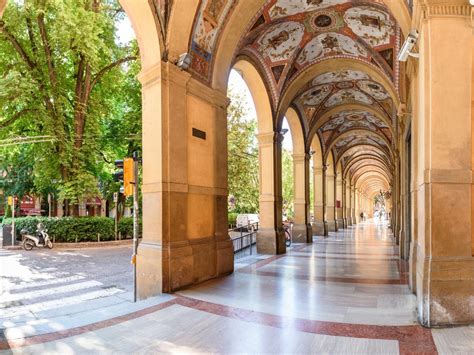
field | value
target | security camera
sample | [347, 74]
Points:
[405, 52]
[184, 61]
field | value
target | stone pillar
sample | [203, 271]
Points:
[318, 224]
[325, 200]
[301, 234]
[339, 197]
[270, 236]
[357, 207]
[348, 203]
[185, 239]
[353, 205]
[444, 135]
[331, 198]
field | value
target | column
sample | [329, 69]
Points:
[185, 239]
[357, 207]
[444, 136]
[325, 200]
[318, 224]
[339, 205]
[348, 203]
[301, 234]
[270, 236]
[331, 199]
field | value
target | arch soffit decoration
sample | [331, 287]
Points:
[366, 158]
[357, 151]
[369, 167]
[256, 86]
[341, 118]
[371, 174]
[358, 137]
[296, 131]
[367, 146]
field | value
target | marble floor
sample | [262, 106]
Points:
[345, 294]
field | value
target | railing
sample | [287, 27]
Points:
[244, 239]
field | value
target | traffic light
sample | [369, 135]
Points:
[118, 175]
[128, 178]
[125, 174]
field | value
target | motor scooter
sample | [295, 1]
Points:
[41, 239]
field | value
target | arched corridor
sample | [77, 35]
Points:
[387, 237]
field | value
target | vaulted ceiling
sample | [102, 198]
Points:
[353, 101]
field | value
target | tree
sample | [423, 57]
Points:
[243, 166]
[64, 75]
[287, 183]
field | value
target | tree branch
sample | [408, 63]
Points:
[18, 47]
[109, 67]
[47, 50]
[15, 117]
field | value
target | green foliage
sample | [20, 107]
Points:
[232, 217]
[243, 166]
[69, 229]
[64, 75]
[287, 183]
[125, 227]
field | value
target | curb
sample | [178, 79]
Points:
[84, 245]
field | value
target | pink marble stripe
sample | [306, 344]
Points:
[45, 338]
[285, 275]
[412, 339]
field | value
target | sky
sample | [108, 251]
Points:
[125, 34]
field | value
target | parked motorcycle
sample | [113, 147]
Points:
[41, 239]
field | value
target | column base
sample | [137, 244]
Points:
[444, 291]
[318, 228]
[149, 270]
[340, 224]
[181, 264]
[302, 233]
[270, 241]
[332, 225]
[326, 228]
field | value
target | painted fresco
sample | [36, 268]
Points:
[374, 26]
[280, 42]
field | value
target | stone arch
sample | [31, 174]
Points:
[306, 75]
[301, 233]
[359, 133]
[330, 205]
[338, 195]
[270, 240]
[362, 157]
[240, 20]
[351, 107]
[318, 186]
[146, 31]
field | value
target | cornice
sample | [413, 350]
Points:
[426, 9]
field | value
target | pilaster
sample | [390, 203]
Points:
[444, 262]
[270, 237]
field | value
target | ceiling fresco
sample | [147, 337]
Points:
[286, 37]
[338, 89]
[344, 121]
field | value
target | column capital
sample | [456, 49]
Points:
[266, 138]
[298, 157]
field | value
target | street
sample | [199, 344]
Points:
[43, 284]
